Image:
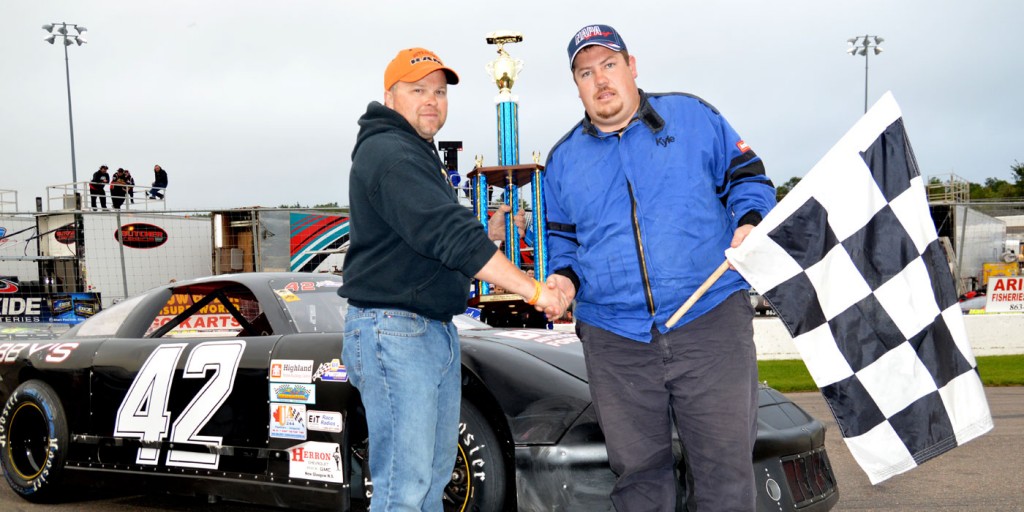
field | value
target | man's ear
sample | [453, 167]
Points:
[389, 99]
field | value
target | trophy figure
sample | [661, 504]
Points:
[505, 309]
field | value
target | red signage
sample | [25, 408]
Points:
[8, 286]
[141, 236]
[65, 234]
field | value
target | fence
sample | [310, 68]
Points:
[76, 196]
[120, 253]
[72, 250]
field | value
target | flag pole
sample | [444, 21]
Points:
[697, 294]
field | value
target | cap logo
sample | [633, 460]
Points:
[417, 60]
[589, 32]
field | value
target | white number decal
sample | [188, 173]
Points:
[143, 412]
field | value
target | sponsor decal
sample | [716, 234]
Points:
[302, 286]
[324, 421]
[291, 370]
[742, 146]
[288, 421]
[224, 322]
[8, 286]
[293, 393]
[49, 352]
[554, 339]
[66, 234]
[332, 371]
[314, 460]
[287, 295]
[141, 236]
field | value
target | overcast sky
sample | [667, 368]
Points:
[255, 102]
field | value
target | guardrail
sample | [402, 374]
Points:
[76, 196]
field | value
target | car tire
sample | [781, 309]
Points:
[479, 477]
[34, 441]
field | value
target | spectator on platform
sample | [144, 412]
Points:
[119, 188]
[130, 188]
[159, 183]
[98, 187]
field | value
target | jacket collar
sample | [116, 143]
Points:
[644, 112]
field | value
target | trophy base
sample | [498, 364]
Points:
[508, 310]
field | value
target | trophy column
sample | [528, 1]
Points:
[510, 176]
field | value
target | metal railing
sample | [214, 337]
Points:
[76, 196]
[8, 200]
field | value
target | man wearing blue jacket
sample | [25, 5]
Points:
[643, 197]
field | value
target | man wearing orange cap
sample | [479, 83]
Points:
[412, 251]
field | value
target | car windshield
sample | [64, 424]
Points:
[210, 309]
[312, 303]
[31, 331]
[468, 323]
[315, 306]
[107, 321]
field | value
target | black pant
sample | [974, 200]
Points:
[116, 201]
[102, 197]
[703, 377]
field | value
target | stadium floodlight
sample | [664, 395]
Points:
[860, 45]
[61, 30]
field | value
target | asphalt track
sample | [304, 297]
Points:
[985, 475]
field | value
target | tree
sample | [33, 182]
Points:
[1018, 177]
[784, 189]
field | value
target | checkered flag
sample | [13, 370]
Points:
[850, 261]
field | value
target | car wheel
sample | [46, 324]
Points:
[34, 440]
[478, 479]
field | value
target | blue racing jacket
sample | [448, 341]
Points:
[638, 219]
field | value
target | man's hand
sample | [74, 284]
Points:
[566, 292]
[738, 237]
[552, 302]
[496, 224]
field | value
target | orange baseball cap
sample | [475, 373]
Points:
[413, 64]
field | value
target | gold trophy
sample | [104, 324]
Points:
[509, 309]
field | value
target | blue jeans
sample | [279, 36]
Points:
[408, 370]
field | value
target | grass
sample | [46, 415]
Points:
[791, 375]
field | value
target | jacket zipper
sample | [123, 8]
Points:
[640, 252]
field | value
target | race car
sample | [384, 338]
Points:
[232, 387]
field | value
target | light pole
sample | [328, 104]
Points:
[60, 30]
[861, 45]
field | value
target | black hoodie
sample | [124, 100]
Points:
[412, 246]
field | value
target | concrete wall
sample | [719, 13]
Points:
[990, 335]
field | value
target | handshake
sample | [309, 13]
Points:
[552, 297]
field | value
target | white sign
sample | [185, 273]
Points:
[324, 421]
[288, 421]
[291, 370]
[314, 460]
[294, 393]
[1005, 294]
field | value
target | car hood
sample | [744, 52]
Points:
[560, 349]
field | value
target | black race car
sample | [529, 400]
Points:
[232, 387]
